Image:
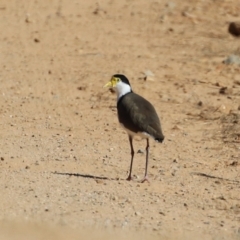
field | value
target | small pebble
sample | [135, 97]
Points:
[234, 29]
[114, 198]
[162, 213]
[232, 59]
[137, 213]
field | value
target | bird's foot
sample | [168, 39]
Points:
[145, 179]
[129, 178]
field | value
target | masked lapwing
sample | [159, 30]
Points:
[136, 115]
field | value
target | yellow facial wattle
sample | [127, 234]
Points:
[113, 82]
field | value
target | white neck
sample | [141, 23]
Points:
[122, 89]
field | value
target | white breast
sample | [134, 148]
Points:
[122, 89]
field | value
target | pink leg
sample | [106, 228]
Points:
[145, 179]
[132, 154]
[146, 167]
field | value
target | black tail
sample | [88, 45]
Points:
[159, 138]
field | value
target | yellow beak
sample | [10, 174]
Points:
[112, 83]
[109, 84]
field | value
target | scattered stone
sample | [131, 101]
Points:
[36, 40]
[137, 214]
[99, 181]
[99, 10]
[236, 79]
[112, 90]
[124, 224]
[232, 59]
[234, 29]
[220, 205]
[176, 127]
[222, 198]
[140, 151]
[222, 90]
[189, 16]
[82, 88]
[148, 75]
[27, 19]
[163, 18]
[114, 198]
[2, 158]
[171, 5]
[234, 163]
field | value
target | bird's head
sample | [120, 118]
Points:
[120, 83]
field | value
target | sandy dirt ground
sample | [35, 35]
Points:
[64, 158]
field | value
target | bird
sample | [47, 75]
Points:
[137, 116]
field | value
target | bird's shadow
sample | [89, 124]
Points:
[214, 177]
[86, 176]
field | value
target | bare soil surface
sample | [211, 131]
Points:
[64, 158]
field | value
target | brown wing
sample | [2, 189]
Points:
[138, 115]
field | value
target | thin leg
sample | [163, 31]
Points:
[146, 167]
[132, 154]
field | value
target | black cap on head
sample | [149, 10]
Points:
[123, 78]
